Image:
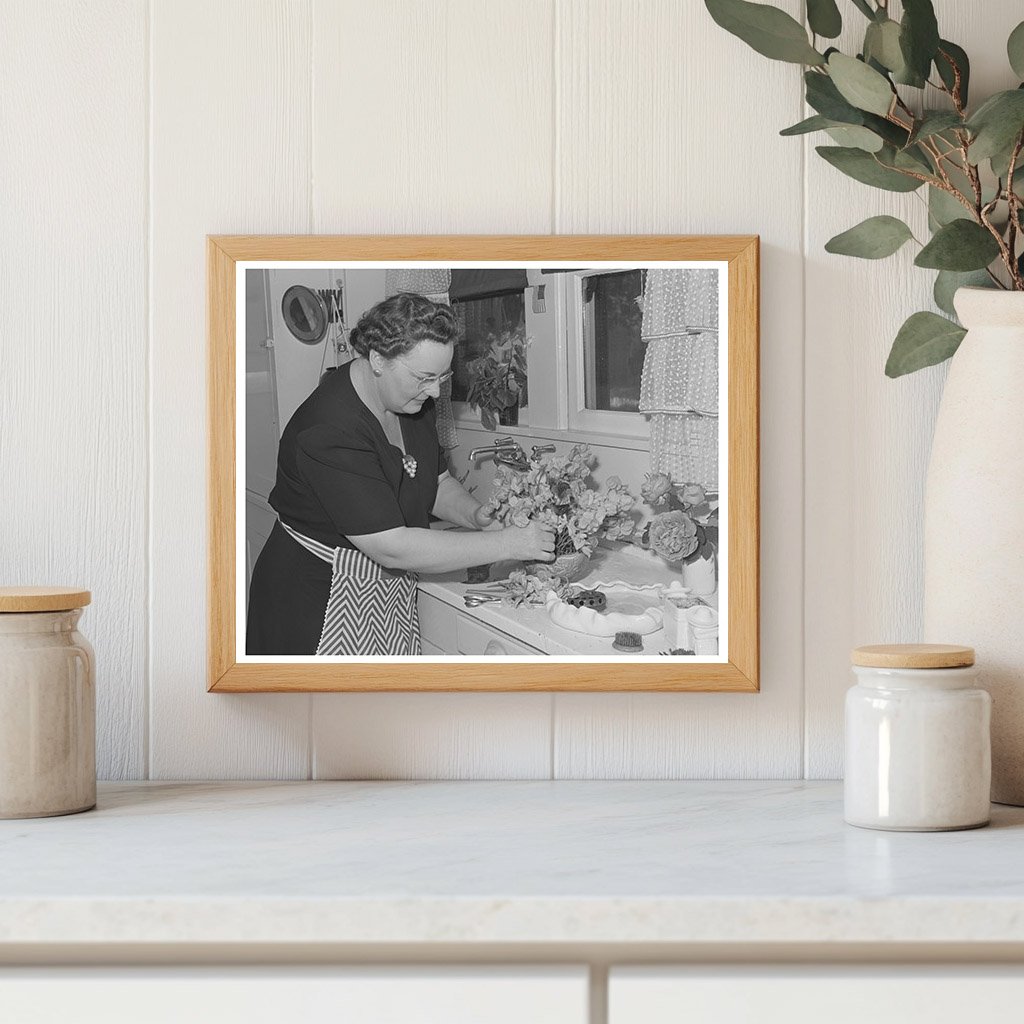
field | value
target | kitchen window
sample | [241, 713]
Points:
[585, 355]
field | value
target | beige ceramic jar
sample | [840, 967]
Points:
[47, 704]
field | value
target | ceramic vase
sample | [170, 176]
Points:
[974, 518]
[700, 576]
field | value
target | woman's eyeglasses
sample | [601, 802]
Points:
[427, 380]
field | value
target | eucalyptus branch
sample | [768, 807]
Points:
[1014, 225]
[928, 146]
[954, 93]
[901, 104]
[941, 160]
[995, 280]
[1004, 251]
[972, 176]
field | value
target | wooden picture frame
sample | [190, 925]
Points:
[738, 673]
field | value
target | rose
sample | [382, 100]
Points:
[656, 487]
[673, 535]
[692, 494]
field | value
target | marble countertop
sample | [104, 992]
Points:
[500, 862]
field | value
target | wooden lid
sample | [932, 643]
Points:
[913, 656]
[42, 599]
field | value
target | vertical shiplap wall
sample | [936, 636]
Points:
[230, 153]
[135, 128]
[73, 333]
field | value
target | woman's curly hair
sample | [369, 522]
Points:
[401, 322]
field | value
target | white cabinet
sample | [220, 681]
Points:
[815, 994]
[280, 995]
[448, 630]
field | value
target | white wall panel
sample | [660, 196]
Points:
[432, 116]
[655, 136]
[868, 437]
[73, 329]
[230, 153]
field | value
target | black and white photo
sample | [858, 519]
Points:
[493, 460]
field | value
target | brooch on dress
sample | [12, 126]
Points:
[409, 465]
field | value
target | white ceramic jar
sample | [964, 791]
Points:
[918, 749]
[47, 704]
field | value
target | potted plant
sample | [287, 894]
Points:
[497, 379]
[683, 530]
[967, 157]
[557, 491]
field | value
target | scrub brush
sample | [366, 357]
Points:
[629, 643]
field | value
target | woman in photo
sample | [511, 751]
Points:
[359, 471]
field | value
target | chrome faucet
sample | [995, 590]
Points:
[505, 450]
[509, 453]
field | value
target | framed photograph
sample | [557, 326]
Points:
[483, 463]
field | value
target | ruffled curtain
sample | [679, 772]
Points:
[679, 384]
[432, 283]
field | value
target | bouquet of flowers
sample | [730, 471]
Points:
[530, 589]
[556, 491]
[497, 379]
[685, 525]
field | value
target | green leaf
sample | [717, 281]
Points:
[925, 339]
[872, 239]
[882, 44]
[944, 208]
[860, 85]
[947, 282]
[864, 7]
[892, 133]
[855, 136]
[824, 18]
[950, 54]
[960, 245]
[1015, 50]
[996, 124]
[810, 124]
[910, 159]
[865, 167]
[769, 31]
[919, 36]
[825, 98]
[934, 122]
[1000, 162]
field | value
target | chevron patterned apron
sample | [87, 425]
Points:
[371, 610]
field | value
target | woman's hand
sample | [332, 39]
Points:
[483, 520]
[533, 543]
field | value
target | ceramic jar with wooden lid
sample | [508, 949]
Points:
[47, 704]
[918, 749]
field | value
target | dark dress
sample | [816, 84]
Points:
[337, 476]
